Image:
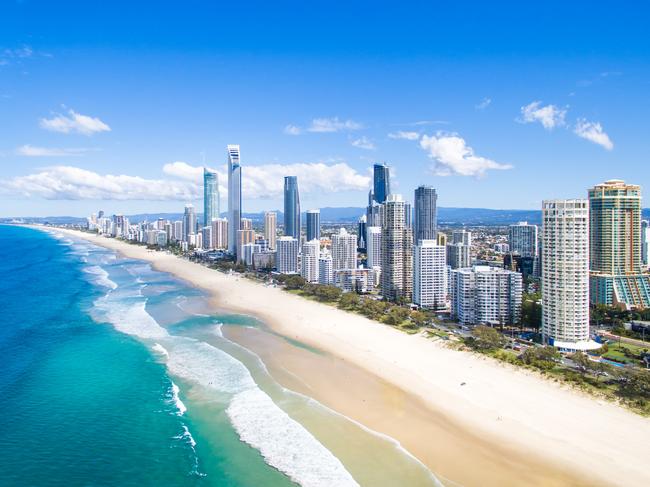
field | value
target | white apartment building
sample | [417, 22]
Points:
[373, 247]
[325, 270]
[309, 261]
[286, 259]
[344, 250]
[486, 295]
[430, 274]
[565, 274]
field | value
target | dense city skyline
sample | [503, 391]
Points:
[84, 122]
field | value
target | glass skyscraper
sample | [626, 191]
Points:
[291, 207]
[211, 208]
[425, 218]
[313, 224]
[234, 196]
[615, 258]
[381, 182]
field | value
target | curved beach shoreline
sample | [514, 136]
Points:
[504, 420]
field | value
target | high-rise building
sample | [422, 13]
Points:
[270, 228]
[325, 271]
[645, 243]
[211, 205]
[177, 231]
[430, 274]
[246, 224]
[565, 273]
[344, 250]
[461, 236]
[396, 251]
[486, 295]
[459, 255]
[442, 239]
[286, 258]
[234, 196]
[291, 207]
[243, 237]
[206, 239]
[618, 277]
[309, 261]
[189, 222]
[220, 233]
[381, 182]
[373, 247]
[248, 251]
[523, 239]
[313, 225]
[425, 219]
[362, 225]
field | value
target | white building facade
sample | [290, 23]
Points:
[430, 275]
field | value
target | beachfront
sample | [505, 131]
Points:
[501, 421]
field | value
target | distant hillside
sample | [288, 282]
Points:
[446, 216]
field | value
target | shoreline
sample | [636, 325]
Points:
[512, 410]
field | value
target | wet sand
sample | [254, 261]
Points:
[456, 456]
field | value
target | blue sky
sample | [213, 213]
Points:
[496, 104]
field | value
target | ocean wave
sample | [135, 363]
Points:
[157, 347]
[177, 400]
[101, 276]
[284, 443]
[208, 366]
[130, 316]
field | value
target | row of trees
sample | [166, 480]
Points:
[391, 314]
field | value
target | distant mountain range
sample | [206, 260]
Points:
[446, 216]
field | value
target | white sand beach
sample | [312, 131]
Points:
[591, 441]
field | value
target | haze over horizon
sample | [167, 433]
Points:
[496, 107]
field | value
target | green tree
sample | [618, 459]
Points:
[349, 301]
[541, 357]
[373, 309]
[294, 282]
[396, 316]
[328, 293]
[485, 339]
[420, 318]
[582, 361]
[635, 384]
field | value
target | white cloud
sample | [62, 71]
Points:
[363, 142]
[401, 134]
[550, 116]
[32, 151]
[183, 182]
[292, 130]
[453, 156]
[323, 125]
[593, 131]
[20, 52]
[74, 122]
[485, 102]
[73, 183]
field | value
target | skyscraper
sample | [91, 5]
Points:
[425, 218]
[344, 250]
[362, 226]
[616, 264]
[396, 252]
[291, 207]
[189, 222]
[522, 238]
[645, 243]
[234, 196]
[244, 236]
[211, 208]
[309, 263]
[270, 228]
[429, 274]
[565, 273]
[458, 255]
[220, 233]
[313, 225]
[381, 182]
[373, 247]
[286, 258]
[462, 236]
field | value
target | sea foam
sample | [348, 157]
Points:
[101, 276]
[284, 443]
[177, 400]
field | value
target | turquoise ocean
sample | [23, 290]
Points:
[116, 374]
